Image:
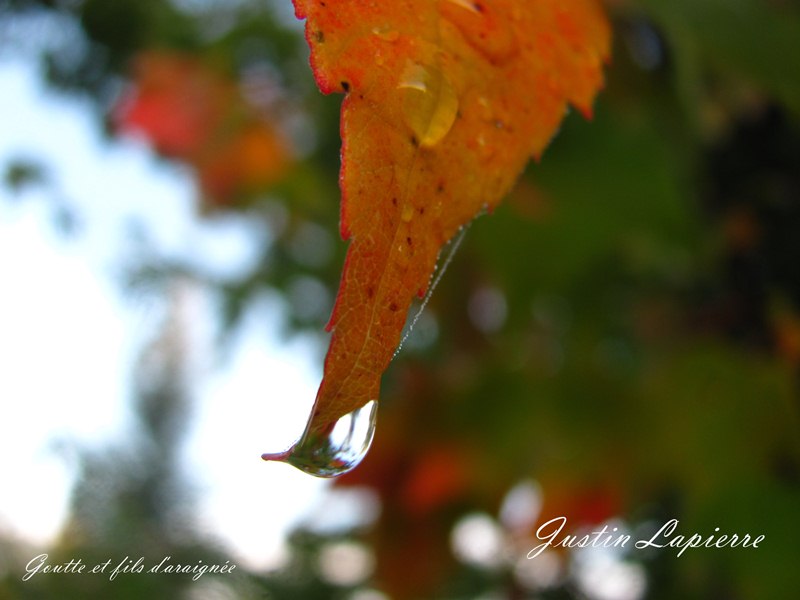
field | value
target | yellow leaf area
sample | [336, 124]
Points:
[446, 102]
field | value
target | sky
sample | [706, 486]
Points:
[69, 335]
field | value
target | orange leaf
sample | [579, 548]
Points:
[446, 102]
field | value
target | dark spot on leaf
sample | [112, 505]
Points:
[421, 210]
[393, 307]
[345, 86]
[408, 241]
[394, 201]
[320, 37]
[414, 141]
[370, 292]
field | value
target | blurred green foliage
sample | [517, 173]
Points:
[624, 330]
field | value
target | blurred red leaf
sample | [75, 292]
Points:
[194, 113]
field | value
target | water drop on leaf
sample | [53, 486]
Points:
[387, 34]
[335, 450]
[466, 5]
[484, 28]
[408, 213]
[430, 103]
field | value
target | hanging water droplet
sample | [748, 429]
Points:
[430, 103]
[335, 450]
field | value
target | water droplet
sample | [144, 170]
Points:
[485, 150]
[386, 34]
[430, 103]
[402, 255]
[335, 450]
[408, 212]
[466, 4]
[484, 28]
[485, 108]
